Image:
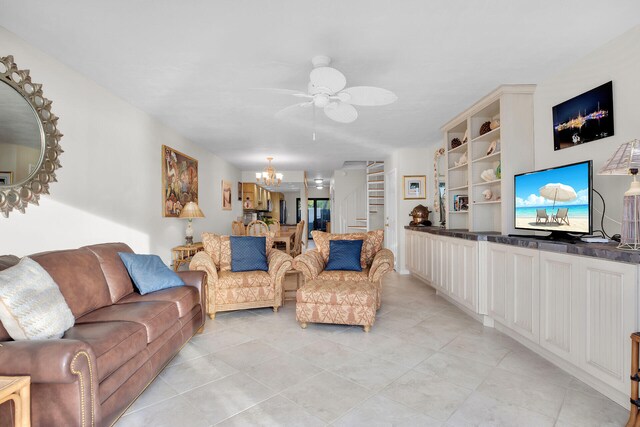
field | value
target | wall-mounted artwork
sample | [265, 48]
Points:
[6, 178]
[226, 195]
[239, 191]
[415, 187]
[585, 118]
[179, 181]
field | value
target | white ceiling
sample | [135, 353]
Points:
[194, 64]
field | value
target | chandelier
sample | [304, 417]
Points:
[269, 177]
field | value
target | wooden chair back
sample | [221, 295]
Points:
[297, 239]
[237, 228]
[275, 226]
[257, 228]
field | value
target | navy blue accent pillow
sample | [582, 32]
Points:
[344, 255]
[149, 273]
[248, 253]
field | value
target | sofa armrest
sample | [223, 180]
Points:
[203, 262]
[279, 264]
[198, 280]
[383, 263]
[309, 263]
[57, 361]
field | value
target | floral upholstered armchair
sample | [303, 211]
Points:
[374, 260]
[228, 290]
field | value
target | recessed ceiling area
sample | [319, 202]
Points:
[199, 66]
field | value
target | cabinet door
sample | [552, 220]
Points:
[410, 250]
[443, 264]
[523, 293]
[497, 282]
[559, 304]
[468, 255]
[608, 316]
[431, 250]
[424, 255]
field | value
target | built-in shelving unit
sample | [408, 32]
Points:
[506, 149]
[375, 195]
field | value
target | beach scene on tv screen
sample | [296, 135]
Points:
[556, 199]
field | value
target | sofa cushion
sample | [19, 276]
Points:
[113, 269]
[31, 305]
[79, 277]
[243, 279]
[371, 245]
[114, 343]
[156, 316]
[344, 255]
[219, 249]
[344, 275]
[248, 253]
[149, 273]
[185, 298]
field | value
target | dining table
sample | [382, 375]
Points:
[286, 237]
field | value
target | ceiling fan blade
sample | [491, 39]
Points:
[367, 96]
[327, 77]
[343, 113]
[280, 114]
[284, 91]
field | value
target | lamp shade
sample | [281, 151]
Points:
[624, 161]
[191, 210]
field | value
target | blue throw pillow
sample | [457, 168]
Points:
[149, 273]
[344, 255]
[248, 253]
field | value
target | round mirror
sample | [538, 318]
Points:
[29, 137]
[21, 138]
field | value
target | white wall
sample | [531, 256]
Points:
[618, 60]
[318, 194]
[109, 186]
[345, 182]
[411, 161]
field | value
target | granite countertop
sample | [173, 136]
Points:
[608, 251]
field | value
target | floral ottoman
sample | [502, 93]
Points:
[337, 302]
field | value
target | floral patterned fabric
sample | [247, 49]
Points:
[219, 249]
[345, 276]
[371, 243]
[309, 263]
[383, 263]
[228, 290]
[343, 303]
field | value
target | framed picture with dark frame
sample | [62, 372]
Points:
[414, 187]
[239, 191]
[179, 181]
[584, 118]
[226, 195]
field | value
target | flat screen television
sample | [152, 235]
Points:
[556, 199]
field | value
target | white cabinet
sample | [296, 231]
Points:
[513, 288]
[448, 264]
[559, 304]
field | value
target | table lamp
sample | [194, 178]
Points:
[626, 161]
[190, 211]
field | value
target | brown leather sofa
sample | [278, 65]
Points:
[121, 340]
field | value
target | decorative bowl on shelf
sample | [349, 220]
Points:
[488, 175]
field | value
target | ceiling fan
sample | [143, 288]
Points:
[326, 90]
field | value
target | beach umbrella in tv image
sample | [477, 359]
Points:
[558, 193]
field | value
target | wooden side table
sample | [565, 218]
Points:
[292, 281]
[17, 389]
[183, 254]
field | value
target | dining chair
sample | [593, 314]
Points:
[257, 228]
[274, 226]
[297, 240]
[238, 229]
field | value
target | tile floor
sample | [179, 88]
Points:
[424, 363]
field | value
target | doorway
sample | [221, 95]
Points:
[390, 208]
[318, 213]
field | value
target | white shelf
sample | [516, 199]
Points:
[489, 136]
[458, 148]
[480, 184]
[458, 167]
[490, 202]
[489, 157]
[463, 187]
